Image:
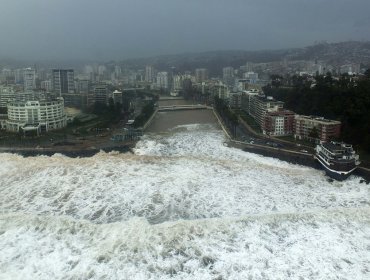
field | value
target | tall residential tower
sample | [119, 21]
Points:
[63, 81]
[29, 79]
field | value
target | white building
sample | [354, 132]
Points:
[102, 70]
[117, 71]
[5, 74]
[6, 95]
[46, 85]
[177, 82]
[252, 77]
[116, 96]
[247, 99]
[18, 76]
[350, 69]
[221, 90]
[241, 84]
[228, 75]
[162, 80]
[36, 116]
[149, 74]
[29, 79]
[201, 75]
[235, 99]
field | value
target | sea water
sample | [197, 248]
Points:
[181, 206]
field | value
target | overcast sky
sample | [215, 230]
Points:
[119, 29]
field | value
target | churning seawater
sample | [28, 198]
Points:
[183, 206]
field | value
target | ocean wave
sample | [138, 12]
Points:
[183, 206]
[290, 245]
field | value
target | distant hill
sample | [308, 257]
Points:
[212, 60]
[335, 53]
[331, 53]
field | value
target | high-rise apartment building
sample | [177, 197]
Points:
[260, 105]
[247, 99]
[18, 76]
[101, 94]
[46, 85]
[82, 86]
[221, 91]
[228, 75]
[162, 80]
[63, 81]
[201, 75]
[29, 79]
[252, 77]
[7, 94]
[177, 82]
[149, 74]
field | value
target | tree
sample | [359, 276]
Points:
[343, 100]
[314, 133]
[367, 73]
[276, 80]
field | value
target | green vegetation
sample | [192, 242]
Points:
[111, 112]
[145, 114]
[250, 121]
[229, 117]
[346, 99]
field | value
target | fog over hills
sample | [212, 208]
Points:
[332, 53]
[125, 29]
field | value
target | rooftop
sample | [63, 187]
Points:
[318, 119]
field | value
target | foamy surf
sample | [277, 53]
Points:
[319, 245]
[182, 207]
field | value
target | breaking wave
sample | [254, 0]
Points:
[183, 206]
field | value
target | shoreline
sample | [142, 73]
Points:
[292, 157]
[125, 147]
[83, 152]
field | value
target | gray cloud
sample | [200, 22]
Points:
[118, 29]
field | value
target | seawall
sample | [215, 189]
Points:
[289, 156]
[282, 154]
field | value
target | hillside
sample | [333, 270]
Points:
[331, 53]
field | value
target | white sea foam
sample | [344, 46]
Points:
[184, 207]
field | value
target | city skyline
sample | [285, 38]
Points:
[116, 30]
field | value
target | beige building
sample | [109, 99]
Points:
[305, 127]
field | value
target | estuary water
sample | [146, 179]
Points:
[182, 206]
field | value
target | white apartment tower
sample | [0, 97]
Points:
[149, 74]
[162, 80]
[228, 75]
[29, 79]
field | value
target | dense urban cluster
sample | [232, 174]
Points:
[33, 99]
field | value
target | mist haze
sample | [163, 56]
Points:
[112, 29]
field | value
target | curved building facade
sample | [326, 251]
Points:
[38, 116]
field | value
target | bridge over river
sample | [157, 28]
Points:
[182, 107]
